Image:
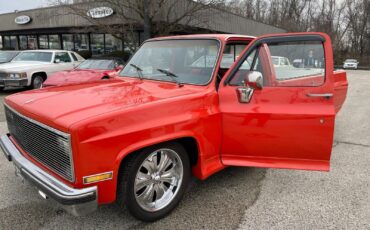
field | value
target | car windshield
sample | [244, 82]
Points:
[351, 60]
[97, 64]
[34, 56]
[192, 61]
[6, 56]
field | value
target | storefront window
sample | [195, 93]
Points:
[43, 42]
[81, 42]
[23, 42]
[67, 41]
[10, 43]
[54, 42]
[27, 42]
[112, 44]
[97, 44]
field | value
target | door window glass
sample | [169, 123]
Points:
[298, 63]
[63, 57]
[253, 62]
[231, 53]
[74, 57]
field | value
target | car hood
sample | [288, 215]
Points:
[61, 107]
[76, 76]
[21, 66]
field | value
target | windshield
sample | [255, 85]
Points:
[34, 56]
[191, 61]
[7, 56]
[97, 64]
[351, 60]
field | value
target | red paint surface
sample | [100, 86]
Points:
[77, 76]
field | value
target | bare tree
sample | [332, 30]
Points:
[347, 22]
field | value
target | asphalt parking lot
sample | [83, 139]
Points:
[245, 198]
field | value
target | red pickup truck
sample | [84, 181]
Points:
[183, 106]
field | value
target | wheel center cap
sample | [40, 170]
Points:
[156, 177]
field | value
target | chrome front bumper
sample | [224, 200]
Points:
[74, 201]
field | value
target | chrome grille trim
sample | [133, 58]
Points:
[57, 159]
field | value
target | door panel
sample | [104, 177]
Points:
[284, 125]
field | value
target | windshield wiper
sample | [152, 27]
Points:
[138, 70]
[172, 75]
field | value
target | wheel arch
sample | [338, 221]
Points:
[39, 73]
[190, 144]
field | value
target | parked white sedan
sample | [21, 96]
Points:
[350, 64]
[31, 68]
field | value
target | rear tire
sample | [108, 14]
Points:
[37, 81]
[152, 182]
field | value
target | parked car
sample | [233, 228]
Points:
[89, 70]
[350, 64]
[7, 56]
[137, 139]
[32, 68]
[280, 61]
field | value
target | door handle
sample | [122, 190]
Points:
[326, 95]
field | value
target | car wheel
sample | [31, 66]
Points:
[37, 82]
[153, 181]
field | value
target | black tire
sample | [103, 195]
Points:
[2, 88]
[131, 165]
[37, 81]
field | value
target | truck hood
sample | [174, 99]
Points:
[21, 66]
[61, 107]
[76, 76]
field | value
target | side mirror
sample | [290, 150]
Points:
[252, 81]
[119, 68]
[57, 61]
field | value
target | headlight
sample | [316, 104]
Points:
[17, 75]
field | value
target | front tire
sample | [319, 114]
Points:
[37, 81]
[153, 181]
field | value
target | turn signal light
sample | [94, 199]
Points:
[98, 177]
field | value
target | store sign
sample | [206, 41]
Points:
[21, 20]
[100, 12]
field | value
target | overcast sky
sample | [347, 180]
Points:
[7, 6]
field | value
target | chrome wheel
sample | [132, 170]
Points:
[158, 179]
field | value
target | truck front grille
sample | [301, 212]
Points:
[48, 146]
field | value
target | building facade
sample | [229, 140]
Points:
[57, 28]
